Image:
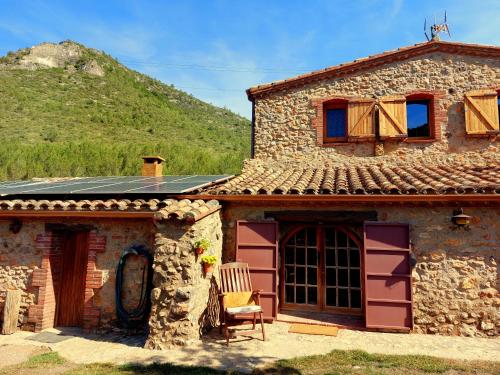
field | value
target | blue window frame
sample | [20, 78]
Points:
[336, 123]
[417, 115]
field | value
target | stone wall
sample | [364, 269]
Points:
[18, 259]
[284, 120]
[21, 257]
[121, 234]
[184, 300]
[455, 282]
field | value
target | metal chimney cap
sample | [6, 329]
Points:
[153, 158]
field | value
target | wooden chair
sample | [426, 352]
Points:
[237, 297]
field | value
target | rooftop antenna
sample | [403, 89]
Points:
[436, 29]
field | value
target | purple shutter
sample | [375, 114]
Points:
[257, 245]
[388, 290]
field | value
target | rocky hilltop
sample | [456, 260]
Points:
[67, 55]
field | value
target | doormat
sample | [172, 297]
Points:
[313, 329]
[48, 337]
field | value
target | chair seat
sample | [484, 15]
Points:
[243, 309]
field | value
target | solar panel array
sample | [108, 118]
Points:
[111, 185]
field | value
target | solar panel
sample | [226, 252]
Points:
[111, 185]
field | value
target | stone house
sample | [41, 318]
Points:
[372, 200]
[63, 254]
[364, 167]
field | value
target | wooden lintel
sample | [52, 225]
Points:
[92, 214]
[326, 216]
[491, 199]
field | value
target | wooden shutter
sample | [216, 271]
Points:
[392, 117]
[481, 112]
[387, 275]
[360, 118]
[257, 245]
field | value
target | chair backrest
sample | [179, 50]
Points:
[235, 277]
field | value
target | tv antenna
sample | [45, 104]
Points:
[437, 29]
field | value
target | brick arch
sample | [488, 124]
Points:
[438, 112]
[320, 303]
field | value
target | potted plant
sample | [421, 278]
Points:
[208, 262]
[201, 245]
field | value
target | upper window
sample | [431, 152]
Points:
[417, 113]
[335, 121]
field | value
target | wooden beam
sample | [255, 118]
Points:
[326, 216]
[91, 214]
[11, 311]
[349, 199]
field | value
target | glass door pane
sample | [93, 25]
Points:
[342, 270]
[301, 268]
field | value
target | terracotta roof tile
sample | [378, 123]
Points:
[409, 179]
[183, 210]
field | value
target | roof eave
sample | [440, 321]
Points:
[347, 198]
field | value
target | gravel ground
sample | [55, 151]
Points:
[245, 353]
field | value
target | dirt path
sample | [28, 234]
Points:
[247, 353]
[15, 354]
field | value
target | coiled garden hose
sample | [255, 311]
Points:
[136, 317]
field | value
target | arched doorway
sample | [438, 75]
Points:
[321, 269]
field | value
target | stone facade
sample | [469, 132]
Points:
[24, 257]
[184, 299]
[19, 257]
[455, 282]
[285, 120]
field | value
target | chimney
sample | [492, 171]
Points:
[152, 166]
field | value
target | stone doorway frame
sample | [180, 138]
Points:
[46, 279]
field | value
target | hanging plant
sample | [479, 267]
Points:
[208, 262]
[201, 245]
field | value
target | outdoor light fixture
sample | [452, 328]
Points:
[460, 219]
[15, 226]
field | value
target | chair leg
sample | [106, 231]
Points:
[226, 331]
[254, 319]
[262, 326]
[221, 322]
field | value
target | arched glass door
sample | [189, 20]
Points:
[321, 269]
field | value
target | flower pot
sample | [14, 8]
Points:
[208, 268]
[199, 250]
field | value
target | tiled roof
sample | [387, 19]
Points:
[370, 62]
[409, 179]
[183, 210]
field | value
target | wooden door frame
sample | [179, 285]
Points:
[321, 270]
[66, 237]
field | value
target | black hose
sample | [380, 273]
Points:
[136, 317]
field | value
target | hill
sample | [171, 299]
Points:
[67, 110]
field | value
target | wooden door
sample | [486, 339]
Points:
[257, 245]
[388, 290]
[321, 270]
[72, 285]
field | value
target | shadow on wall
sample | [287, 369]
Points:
[210, 317]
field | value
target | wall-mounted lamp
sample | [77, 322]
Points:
[15, 226]
[460, 219]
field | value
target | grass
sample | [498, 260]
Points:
[45, 361]
[360, 362]
[63, 120]
[336, 362]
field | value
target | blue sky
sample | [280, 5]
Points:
[217, 49]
